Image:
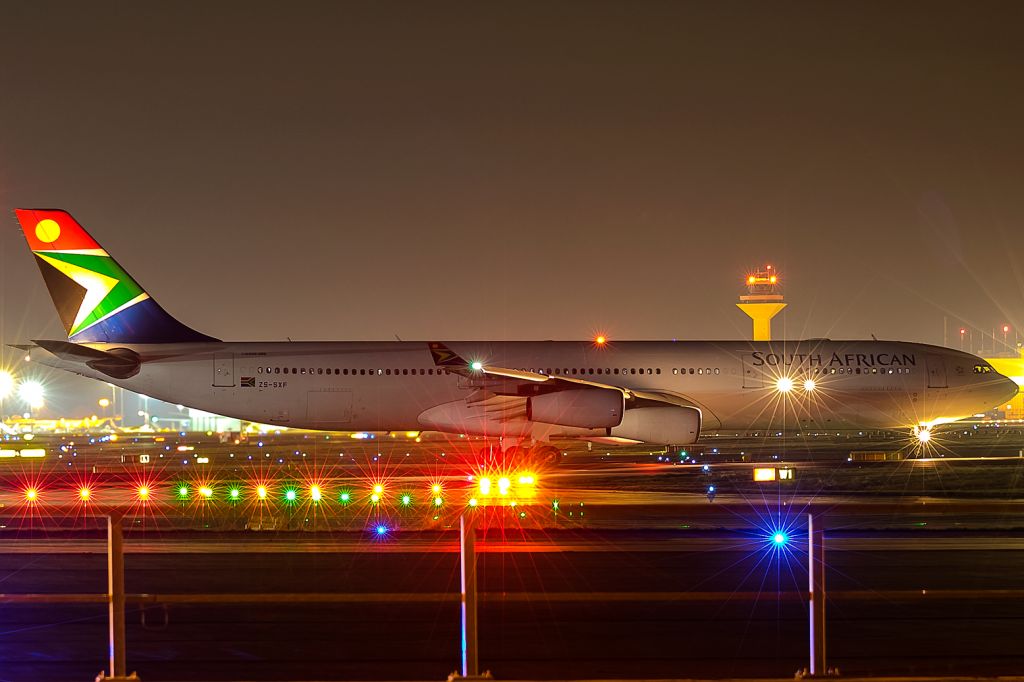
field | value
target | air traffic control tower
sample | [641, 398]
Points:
[762, 301]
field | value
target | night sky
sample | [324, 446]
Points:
[524, 170]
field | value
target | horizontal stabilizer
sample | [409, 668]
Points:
[119, 363]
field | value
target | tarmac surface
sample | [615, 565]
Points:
[664, 606]
[637, 572]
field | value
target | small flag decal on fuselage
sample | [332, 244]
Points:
[248, 382]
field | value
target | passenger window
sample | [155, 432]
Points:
[657, 370]
[700, 371]
[277, 370]
[690, 370]
[616, 370]
[716, 370]
[675, 370]
[632, 370]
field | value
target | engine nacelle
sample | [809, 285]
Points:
[587, 408]
[668, 425]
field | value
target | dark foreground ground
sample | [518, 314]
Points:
[712, 603]
[736, 634]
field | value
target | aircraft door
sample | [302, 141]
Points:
[224, 369]
[936, 371]
[753, 377]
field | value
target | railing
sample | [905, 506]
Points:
[816, 517]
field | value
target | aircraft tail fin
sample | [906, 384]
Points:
[96, 299]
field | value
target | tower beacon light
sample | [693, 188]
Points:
[763, 301]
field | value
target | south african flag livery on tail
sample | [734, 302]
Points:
[97, 301]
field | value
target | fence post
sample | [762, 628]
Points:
[467, 554]
[816, 584]
[115, 594]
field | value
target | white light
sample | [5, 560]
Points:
[6, 384]
[809, 385]
[476, 365]
[924, 435]
[32, 393]
[784, 384]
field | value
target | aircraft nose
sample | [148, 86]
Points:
[1008, 388]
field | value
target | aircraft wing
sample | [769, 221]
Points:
[520, 383]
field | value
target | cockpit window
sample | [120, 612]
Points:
[982, 369]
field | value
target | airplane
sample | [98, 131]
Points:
[529, 394]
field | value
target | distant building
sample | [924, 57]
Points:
[199, 420]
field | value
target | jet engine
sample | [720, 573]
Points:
[668, 425]
[587, 408]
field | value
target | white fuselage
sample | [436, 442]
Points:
[380, 386]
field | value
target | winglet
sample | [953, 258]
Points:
[445, 356]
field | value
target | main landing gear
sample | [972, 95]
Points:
[519, 456]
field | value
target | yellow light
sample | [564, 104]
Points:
[784, 384]
[143, 492]
[436, 488]
[527, 479]
[809, 385]
[378, 489]
[206, 491]
[600, 340]
[104, 402]
[31, 494]
[751, 279]
[261, 492]
[84, 493]
[924, 435]
[314, 493]
[473, 502]
[773, 279]
[375, 498]
[6, 384]
[485, 486]
[503, 485]
[32, 393]
[762, 474]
